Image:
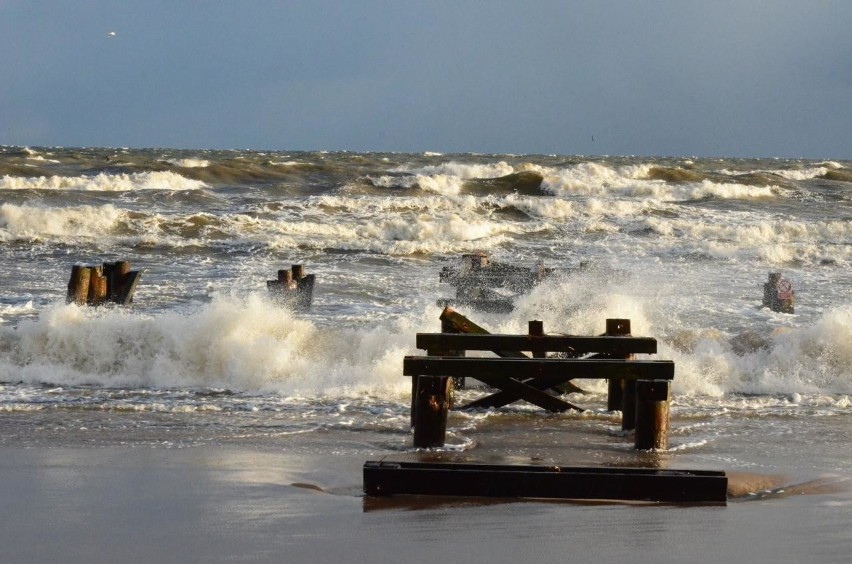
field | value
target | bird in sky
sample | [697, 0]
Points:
[111, 34]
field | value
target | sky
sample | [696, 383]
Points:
[718, 78]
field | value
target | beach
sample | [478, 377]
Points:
[94, 494]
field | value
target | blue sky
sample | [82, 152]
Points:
[738, 79]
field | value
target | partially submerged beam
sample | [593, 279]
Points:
[384, 478]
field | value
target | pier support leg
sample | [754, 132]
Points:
[431, 404]
[652, 414]
[615, 388]
[628, 407]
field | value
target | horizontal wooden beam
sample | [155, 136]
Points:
[383, 478]
[551, 371]
[544, 343]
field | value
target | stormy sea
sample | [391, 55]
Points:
[204, 374]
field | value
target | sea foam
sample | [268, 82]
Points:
[103, 182]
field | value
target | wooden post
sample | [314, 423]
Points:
[458, 382]
[285, 278]
[117, 277]
[298, 271]
[652, 414]
[615, 391]
[78, 286]
[431, 404]
[97, 286]
[536, 329]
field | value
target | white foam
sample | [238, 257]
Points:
[238, 344]
[34, 222]
[189, 163]
[158, 180]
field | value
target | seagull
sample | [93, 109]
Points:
[111, 34]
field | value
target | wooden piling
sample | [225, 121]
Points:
[615, 388]
[536, 329]
[97, 286]
[652, 414]
[430, 411]
[292, 287]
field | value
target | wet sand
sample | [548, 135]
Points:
[224, 504]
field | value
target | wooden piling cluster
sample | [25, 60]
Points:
[642, 391]
[778, 294]
[477, 277]
[293, 288]
[112, 282]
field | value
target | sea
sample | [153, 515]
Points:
[680, 246]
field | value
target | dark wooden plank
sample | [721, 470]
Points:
[527, 481]
[125, 296]
[463, 325]
[505, 397]
[544, 343]
[517, 390]
[551, 371]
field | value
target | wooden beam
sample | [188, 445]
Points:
[550, 370]
[543, 343]
[514, 390]
[464, 326]
[384, 478]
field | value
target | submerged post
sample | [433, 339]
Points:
[78, 285]
[615, 388]
[652, 414]
[431, 403]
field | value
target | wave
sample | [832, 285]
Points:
[235, 344]
[104, 182]
[812, 359]
[244, 345]
[30, 222]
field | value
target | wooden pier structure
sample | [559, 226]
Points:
[639, 388]
[477, 277]
[293, 288]
[112, 282]
[534, 368]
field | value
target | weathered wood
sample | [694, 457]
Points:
[386, 478]
[456, 382]
[531, 390]
[305, 286]
[628, 405]
[293, 288]
[539, 343]
[618, 329]
[97, 287]
[128, 288]
[652, 414]
[526, 379]
[285, 278]
[78, 285]
[430, 412]
[551, 370]
[463, 326]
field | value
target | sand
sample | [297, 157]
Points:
[230, 504]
